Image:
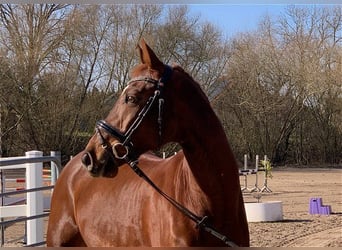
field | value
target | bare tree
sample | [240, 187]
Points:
[61, 69]
[277, 90]
[281, 79]
[197, 46]
[30, 35]
[312, 38]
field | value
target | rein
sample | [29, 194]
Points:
[200, 221]
[123, 151]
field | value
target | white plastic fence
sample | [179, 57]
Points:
[33, 209]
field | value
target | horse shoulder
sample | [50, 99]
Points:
[62, 227]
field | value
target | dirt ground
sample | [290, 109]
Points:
[294, 187]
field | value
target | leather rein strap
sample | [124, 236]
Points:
[200, 221]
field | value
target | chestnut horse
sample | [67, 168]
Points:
[159, 105]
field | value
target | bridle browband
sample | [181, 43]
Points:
[128, 155]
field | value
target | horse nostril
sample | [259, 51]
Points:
[86, 159]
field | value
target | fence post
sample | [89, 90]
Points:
[35, 228]
[2, 228]
[54, 168]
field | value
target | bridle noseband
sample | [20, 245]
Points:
[124, 147]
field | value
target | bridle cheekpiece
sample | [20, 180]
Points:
[124, 148]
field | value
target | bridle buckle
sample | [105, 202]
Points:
[120, 151]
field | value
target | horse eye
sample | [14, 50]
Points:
[131, 99]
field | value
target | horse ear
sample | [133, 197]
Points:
[147, 56]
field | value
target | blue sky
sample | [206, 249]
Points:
[233, 18]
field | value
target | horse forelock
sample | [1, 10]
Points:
[143, 70]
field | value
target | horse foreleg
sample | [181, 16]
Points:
[62, 228]
[62, 231]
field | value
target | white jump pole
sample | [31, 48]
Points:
[256, 163]
[245, 162]
[256, 188]
[34, 178]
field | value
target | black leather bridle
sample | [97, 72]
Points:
[124, 150]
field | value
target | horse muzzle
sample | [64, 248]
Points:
[105, 167]
[87, 161]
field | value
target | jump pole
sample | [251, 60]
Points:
[245, 174]
[256, 188]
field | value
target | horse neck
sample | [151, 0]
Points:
[207, 151]
[210, 157]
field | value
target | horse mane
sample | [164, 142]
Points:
[198, 87]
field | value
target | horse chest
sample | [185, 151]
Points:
[144, 221]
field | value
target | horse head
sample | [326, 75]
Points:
[137, 121]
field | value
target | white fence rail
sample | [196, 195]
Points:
[33, 210]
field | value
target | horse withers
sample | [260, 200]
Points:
[159, 105]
